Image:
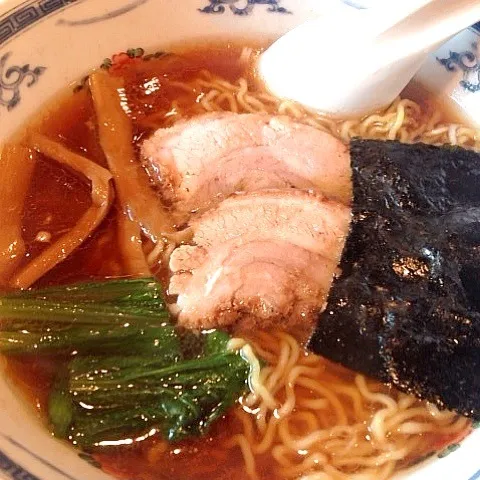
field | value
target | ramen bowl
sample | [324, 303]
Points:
[46, 45]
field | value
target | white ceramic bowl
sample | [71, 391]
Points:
[47, 44]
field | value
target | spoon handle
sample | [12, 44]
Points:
[433, 22]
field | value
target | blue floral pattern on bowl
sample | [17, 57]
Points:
[469, 63]
[218, 6]
[13, 470]
[13, 78]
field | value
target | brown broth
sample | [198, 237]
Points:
[56, 200]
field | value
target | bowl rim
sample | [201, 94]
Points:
[37, 12]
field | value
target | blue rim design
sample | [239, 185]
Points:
[476, 476]
[14, 470]
[106, 16]
[19, 18]
[17, 472]
[218, 6]
[467, 62]
[12, 78]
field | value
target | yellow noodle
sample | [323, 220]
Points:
[400, 117]
[312, 461]
[244, 445]
[408, 414]
[268, 437]
[303, 442]
[373, 397]
[380, 426]
[406, 401]
[289, 403]
[336, 404]
[355, 397]
[415, 428]
[284, 455]
[248, 429]
[254, 377]
[377, 424]
[230, 100]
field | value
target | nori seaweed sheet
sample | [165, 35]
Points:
[406, 306]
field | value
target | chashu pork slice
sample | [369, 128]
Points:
[262, 258]
[199, 162]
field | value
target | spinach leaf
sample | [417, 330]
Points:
[114, 399]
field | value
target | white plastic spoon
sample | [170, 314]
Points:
[351, 62]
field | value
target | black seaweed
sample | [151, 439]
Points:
[406, 307]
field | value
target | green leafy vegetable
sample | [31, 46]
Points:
[115, 398]
[85, 317]
[127, 338]
[133, 375]
[132, 291]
